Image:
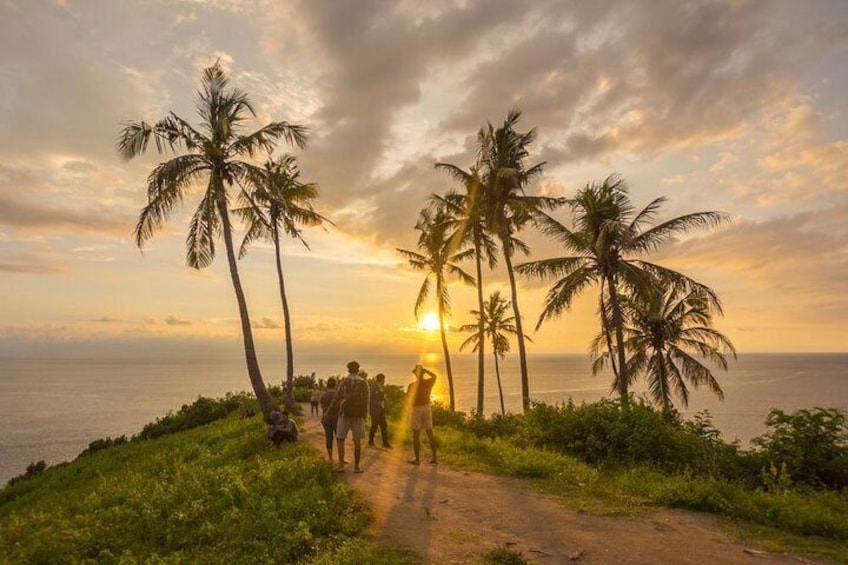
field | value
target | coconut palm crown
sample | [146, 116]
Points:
[667, 331]
[608, 235]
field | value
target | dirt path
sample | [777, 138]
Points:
[452, 516]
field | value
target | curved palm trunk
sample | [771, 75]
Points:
[481, 331]
[618, 327]
[266, 402]
[608, 336]
[445, 344]
[500, 388]
[287, 325]
[522, 351]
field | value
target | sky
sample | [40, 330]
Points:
[729, 105]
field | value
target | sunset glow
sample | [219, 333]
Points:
[430, 322]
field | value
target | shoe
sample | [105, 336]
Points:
[413, 461]
[357, 470]
[370, 444]
[387, 445]
[433, 462]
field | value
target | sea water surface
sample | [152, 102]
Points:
[52, 408]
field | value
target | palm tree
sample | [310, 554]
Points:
[666, 330]
[212, 152]
[498, 326]
[438, 259]
[607, 234]
[276, 201]
[467, 219]
[502, 152]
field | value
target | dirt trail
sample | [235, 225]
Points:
[452, 516]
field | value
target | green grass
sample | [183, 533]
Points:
[814, 522]
[213, 494]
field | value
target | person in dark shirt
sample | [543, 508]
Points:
[421, 417]
[282, 428]
[329, 415]
[377, 410]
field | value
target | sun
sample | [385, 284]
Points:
[430, 322]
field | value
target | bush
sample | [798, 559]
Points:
[810, 446]
[202, 411]
[32, 470]
[102, 443]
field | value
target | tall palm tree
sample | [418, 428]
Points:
[275, 201]
[213, 153]
[503, 153]
[607, 235]
[498, 327]
[439, 260]
[666, 330]
[468, 221]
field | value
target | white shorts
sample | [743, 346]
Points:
[355, 425]
[421, 418]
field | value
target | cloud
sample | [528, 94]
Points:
[265, 323]
[29, 269]
[174, 321]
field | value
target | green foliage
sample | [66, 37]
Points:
[213, 494]
[103, 443]
[395, 398]
[443, 416]
[202, 411]
[608, 432]
[811, 446]
[32, 470]
[305, 381]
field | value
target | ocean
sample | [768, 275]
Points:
[52, 408]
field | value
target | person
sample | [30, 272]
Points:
[352, 399]
[314, 398]
[282, 429]
[421, 417]
[377, 409]
[329, 416]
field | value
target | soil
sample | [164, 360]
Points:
[454, 516]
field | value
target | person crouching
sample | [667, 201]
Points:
[282, 429]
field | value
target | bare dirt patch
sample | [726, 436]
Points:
[453, 516]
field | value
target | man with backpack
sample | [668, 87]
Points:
[352, 400]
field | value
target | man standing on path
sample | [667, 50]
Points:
[377, 409]
[421, 417]
[352, 399]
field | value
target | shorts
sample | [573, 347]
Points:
[421, 418]
[355, 425]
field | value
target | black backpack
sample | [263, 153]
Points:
[356, 398]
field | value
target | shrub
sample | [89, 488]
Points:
[811, 446]
[442, 416]
[102, 443]
[32, 470]
[202, 411]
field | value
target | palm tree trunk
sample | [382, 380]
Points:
[500, 388]
[605, 327]
[481, 331]
[286, 324]
[618, 326]
[266, 401]
[445, 342]
[522, 351]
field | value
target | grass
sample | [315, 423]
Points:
[814, 523]
[213, 494]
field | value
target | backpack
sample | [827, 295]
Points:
[356, 398]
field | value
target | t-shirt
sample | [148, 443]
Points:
[327, 399]
[377, 400]
[420, 391]
[314, 395]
